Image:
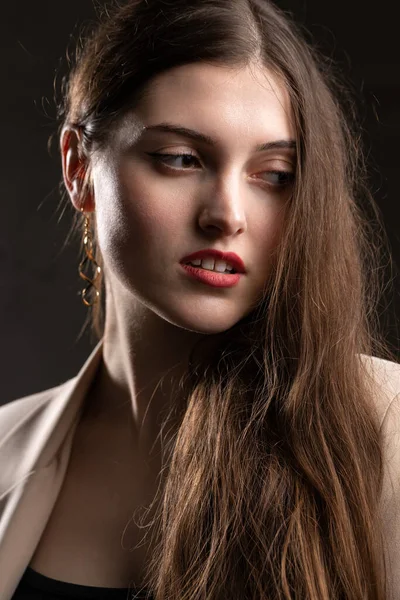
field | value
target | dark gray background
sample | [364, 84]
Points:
[41, 314]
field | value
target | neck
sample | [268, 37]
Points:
[140, 378]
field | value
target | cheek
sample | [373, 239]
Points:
[269, 227]
[137, 216]
[268, 232]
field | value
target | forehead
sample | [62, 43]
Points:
[224, 102]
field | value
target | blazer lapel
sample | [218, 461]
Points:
[34, 457]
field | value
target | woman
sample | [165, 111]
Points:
[233, 434]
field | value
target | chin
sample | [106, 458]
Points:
[202, 323]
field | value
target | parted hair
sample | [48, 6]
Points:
[272, 481]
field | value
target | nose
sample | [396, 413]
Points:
[223, 207]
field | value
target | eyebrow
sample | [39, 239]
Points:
[205, 139]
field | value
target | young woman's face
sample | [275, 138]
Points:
[161, 194]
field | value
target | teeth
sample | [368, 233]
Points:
[212, 265]
[208, 263]
[221, 266]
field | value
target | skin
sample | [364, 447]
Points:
[150, 216]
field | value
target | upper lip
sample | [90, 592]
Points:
[229, 257]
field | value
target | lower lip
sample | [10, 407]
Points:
[212, 277]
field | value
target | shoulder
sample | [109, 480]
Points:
[23, 410]
[384, 377]
[25, 425]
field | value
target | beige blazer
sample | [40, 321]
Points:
[36, 434]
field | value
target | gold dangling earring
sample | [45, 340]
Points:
[88, 246]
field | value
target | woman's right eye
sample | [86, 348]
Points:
[186, 158]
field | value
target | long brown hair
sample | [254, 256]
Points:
[275, 472]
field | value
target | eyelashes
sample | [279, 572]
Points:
[164, 158]
[277, 178]
[280, 178]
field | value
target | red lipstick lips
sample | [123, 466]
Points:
[214, 278]
[229, 257]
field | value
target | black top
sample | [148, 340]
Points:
[35, 586]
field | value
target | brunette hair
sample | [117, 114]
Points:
[275, 472]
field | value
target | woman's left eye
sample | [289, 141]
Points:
[187, 159]
[279, 178]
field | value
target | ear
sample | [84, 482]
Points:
[74, 167]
